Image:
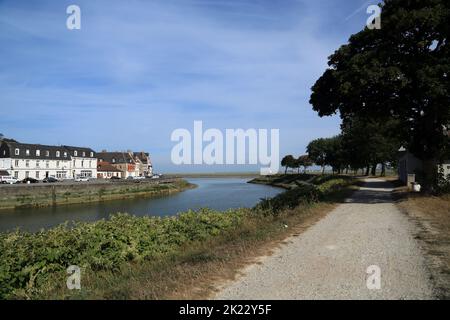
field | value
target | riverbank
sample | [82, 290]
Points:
[44, 195]
[130, 257]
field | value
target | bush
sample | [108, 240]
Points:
[29, 262]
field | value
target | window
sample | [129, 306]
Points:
[61, 174]
[65, 154]
[92, 154]
[4, 152]
[58, 154]
[17, 152]
[47, 153]
[38, 163]
[37, 174]
[57, 164]
[27, 152]
[27, 163]
[84, 154]
[113, 160]
[16, 174]
[90, 164]
[82, 163]
[75, 153]
[47, 164]
[27, 174]
[16, 163]
[38, 153]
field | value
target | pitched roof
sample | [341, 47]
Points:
[106, 167]
[144, 157]
[115, 157]
[80, 151]
[38, 151]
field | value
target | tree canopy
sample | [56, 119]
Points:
[398, 72]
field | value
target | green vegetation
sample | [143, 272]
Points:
[393, 82]
[34, 265]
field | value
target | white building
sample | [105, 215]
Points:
[84, 162]
[40, 161]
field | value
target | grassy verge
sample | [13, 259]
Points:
[432, 215]
[130, 257]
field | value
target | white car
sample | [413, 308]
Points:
[81, 179]
[8, 180]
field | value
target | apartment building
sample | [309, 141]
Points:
[37, 161]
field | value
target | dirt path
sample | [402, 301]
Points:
[330, 260]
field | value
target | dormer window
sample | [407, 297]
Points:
[84, 154]
[65, 154]
[58, 154]
[113, 160]
[47, 153]
[27, 152]
[38, 153]
[17, 152]
[92, 154]
[75, 153]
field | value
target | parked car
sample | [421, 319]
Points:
[50, 180]
[81, 179]
[156, 176]
[30, 180]
[8, 180]
[115, 178]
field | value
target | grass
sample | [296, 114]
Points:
[432, 215]
[130, 257]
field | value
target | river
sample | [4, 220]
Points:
[214, 193]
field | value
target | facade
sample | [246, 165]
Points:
[106, 171]
[37, 161]
[445, 167]
[122, 161]
[84, 162]
[144, 163]
[409, 164]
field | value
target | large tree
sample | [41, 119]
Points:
[288, 162]
[397, 72]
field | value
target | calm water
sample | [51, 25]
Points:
[215, 193]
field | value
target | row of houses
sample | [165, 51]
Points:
[23, 160]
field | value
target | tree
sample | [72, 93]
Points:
[317, 150]
[397, 72]
[367, 143]
[288, 162]
[304, 161]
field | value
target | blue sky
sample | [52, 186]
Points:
[137, 70]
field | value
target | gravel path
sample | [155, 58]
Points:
[330, 259]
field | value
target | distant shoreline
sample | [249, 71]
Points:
[214, 175]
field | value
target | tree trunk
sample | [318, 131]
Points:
[383, 169]
[323, 169]
[285, 170]
[374, 170]
[429, 175]
[367, 170]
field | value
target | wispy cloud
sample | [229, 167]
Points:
[138, 70]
